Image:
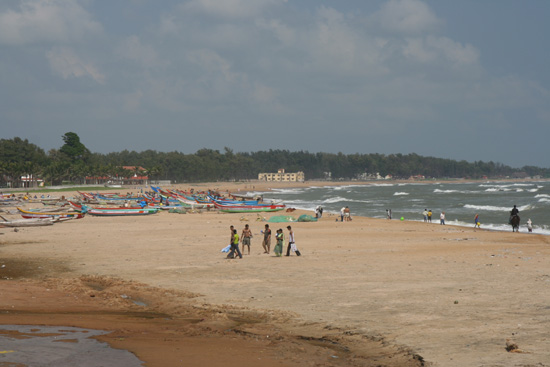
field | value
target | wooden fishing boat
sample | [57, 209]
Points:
[119, 212]
[78, 207]
[249, 208]
[29, 214]
[111, 212]
[36, 222]
[28, 222]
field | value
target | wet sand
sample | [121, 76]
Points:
[364, 293]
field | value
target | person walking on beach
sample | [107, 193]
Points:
[442, 218]
[342, 214]
[291, 242]
[266, 244]
[235, 246]
[425, 214]
[278, 250]
[477, 223]
[388, 213]
[245, 237]
[429, 216]
[529, 225]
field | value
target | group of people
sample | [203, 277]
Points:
[246, 237]
[318, 212]
[345, 214]
[427, 214]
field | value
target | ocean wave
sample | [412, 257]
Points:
[542, 196]
[439, 191]
[507, 185]
[497, 208]
[400, 193]
[445, 191]
[495, 189]
[287, 191]
[336, 199]
[501, 227]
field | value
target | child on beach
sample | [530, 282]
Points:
[477, 223]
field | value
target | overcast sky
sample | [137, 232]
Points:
[453, 79]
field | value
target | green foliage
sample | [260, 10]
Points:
[73, 162]
[73, 148]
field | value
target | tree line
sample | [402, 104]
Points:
[73, 162]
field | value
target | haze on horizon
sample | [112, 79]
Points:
[466, 80]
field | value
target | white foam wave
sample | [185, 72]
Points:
[400, 193]
[287, 191]
[445, 191]
[501, 227]
[336, 199]
[495, 189]
[542, 196]
[497, 208]
[439, 191]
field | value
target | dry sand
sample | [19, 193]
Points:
[369, 292]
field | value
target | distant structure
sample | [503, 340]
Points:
[282, 176]
[126, 175]
[371, 176]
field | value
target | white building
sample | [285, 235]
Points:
[282, 176]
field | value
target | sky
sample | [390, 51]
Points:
[465, 80]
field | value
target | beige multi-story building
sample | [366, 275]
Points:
[282, 176]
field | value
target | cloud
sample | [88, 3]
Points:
[231, 8]
[67, 64]
[406, 16]
[46, 21]
[440, 49]
[133, 49]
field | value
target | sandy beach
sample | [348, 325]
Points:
[369, 292]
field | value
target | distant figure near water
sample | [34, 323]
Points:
[514, 219]
[477, 224]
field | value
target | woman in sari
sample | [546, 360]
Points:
[280, 243]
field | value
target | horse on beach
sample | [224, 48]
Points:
[514, 221]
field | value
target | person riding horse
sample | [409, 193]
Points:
[514, 218]
[513, 212]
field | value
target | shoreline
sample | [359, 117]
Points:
[391, 283]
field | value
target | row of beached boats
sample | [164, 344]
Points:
[138, 205]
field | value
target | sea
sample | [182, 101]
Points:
[460, 201]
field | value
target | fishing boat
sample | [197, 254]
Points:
[28, 222]
[35, 222]
[249, 208]
[111, 212]
[30, 214]
[119, 212]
